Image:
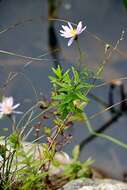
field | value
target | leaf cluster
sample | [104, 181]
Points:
[77, 169]
[6, 161]
[28, 171]
[69, 91]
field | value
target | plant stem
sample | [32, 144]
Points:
[13, 123]
[107, 137]
[80, 53]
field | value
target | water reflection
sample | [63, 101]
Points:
[53, 42]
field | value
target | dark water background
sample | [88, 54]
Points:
[106, 19]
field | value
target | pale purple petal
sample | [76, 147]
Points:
[66, 35]
[79, 27]
[69, 32]
[15, 106]
[70, 41]
[62, 31]
[9, 101]
[63, 27]
[66, 28]
[6, 106]
[62, 35]
[70, 25]
[83, 29]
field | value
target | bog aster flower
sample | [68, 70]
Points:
[7, 107]
[72, 33]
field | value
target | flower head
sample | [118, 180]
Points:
[7, 107]
[72, 33]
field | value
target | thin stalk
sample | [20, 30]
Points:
[58, 131]
[13, 123]
[107, 137]
[25, 114]
[40, 114]
[36, 117]
[4, 159]
[10, 163]
[24, 139]
[108, 108]
[37, 139]
[80, 52]
[26, 123]
[101, 129]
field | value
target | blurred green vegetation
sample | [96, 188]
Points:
[125, 3]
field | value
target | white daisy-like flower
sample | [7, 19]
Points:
[72, 33]
[7, 107]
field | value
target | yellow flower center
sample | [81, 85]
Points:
[74, 32]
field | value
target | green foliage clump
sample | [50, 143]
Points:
[77, 169]
[69, 91]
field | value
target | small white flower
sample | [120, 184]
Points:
[7, 107]
[72, 33]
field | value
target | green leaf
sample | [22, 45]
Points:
[65, 86]
[76, 152]
[14, 140]
[77, 117]
[53, 79]
[58, 71]
[88, 162]
[5, 129]
[69, 91]
[82, 97]
[47, 131]
[59, 97]
[3, 150]
[66, 77]
[56, 163]
[76, 75]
